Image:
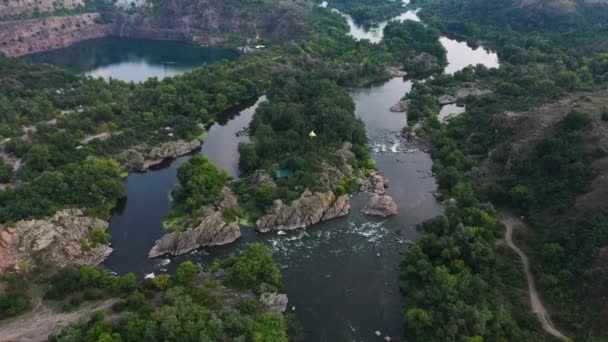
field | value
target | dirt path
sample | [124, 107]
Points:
[538, 308]
[41, 322]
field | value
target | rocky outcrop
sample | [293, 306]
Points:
[36, 35]
[375, 183]
[60, 240]
[467, 89]
[274, 302]
[261, 177]
[381, 206]
[400, 107]
[141, 158]
[422, 62]
[28, 8]
[396, 71]
[303, 212]
[212, 230]
[168, 150]
[340, 167]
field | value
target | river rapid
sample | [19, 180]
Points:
[341, 276]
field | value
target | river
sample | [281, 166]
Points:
[341, 276]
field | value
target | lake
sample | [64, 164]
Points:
[131, 59]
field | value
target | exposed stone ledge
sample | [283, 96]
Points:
[60, 240]
[303, 212]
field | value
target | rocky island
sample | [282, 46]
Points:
[211, 229]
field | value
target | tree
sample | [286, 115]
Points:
[418, 320]
[200, 184]
[265, 195]
[254, 268]
[185, 272]
[270, 327]
[248, 158]
[127, 283]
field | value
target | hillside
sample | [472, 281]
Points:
[534, 146]
[29, 28]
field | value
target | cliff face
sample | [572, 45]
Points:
[26, 8]
[208, 22]
[18, 38]
[212, 22]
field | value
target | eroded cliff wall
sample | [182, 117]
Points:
[29, 8]
[209, 22]
[24, 37]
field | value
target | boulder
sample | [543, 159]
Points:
[171, 149]
[381, 206]
[466, 90]
[5, 238]
[395, 71]
[261, 177]
[303, 212]
[422, 61]
[63, 239]
[274, 302]
[212, 231]
[400, 107]
[131, 159]
[375, 183]
[228, 200]
[340, 167]
[447, 99]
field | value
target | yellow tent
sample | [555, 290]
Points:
[312, 134]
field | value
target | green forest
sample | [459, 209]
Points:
[539, 65]
[459, 281]
[191, 305]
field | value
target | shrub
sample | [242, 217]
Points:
[100, 235]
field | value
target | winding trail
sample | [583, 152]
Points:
[41, 322]
[538, 308]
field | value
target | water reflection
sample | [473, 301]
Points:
[461, 55]
[138, 223]
[374, 34]
[131, 59]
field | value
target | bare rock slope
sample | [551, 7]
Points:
[60, 240]
[303, 212]
[212, 230]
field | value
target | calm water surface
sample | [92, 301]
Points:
[131, 59]
[138, 222]
[459, 53]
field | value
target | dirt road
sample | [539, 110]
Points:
[538, 308]
[41, 322]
